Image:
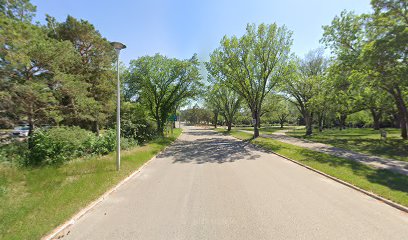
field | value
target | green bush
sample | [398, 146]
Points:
[361, 119]
[127, 143]
[103, 144]
[135, 123]
[14, 152]
[61, 144]
[58, 145]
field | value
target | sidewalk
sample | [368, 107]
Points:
[373, 161]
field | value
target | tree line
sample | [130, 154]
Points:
[62, 73]
[55, 74]
[365, 72]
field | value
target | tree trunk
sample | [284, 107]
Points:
[255, 115]
[320, 120]
[30, 126]
[402, 110]
[281, 123]
[343, 118]
[229, 124]
[160, 128]
[30, 130]
[96, 128]
[376, 118]
[30, 120]
[309, 123]
[215, 119]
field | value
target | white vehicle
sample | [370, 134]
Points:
[20, 131]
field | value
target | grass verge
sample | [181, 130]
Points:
[35, 201]
[382, 182]
[362, 140]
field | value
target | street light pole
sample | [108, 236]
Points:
[118, 46]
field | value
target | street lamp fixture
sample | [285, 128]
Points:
[118, 46]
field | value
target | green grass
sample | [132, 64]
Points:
[236, 133]
[35, 201]
[385, 183]
[362, 140]
[264, 130]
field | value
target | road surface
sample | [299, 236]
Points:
[208, 186]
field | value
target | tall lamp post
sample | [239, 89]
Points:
[118, 46]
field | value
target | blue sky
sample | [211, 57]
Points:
[180, 28]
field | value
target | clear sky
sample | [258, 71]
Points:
[181, 28]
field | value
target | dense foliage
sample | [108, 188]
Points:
[253, 64]
[60, 75]
[162, 84]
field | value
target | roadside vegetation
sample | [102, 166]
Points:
[57, 81]
[49, 195]
[364, 140]
[384, 183]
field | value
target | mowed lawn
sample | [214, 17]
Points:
[35, 201]
[362, 140]
[264, 130]
[385, 183]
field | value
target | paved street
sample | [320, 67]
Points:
[209, 186]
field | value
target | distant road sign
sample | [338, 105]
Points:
[173, 118]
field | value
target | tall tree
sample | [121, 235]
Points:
[163, 83]
[278, 109]
[304, 84]
[386, 53]
[226, 101]
[37, 65]
[253, 64]
[212, 103]
[375, 45]
[94, 69]
[21, 10]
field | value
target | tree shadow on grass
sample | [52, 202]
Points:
[210, 149]
[383, 177]
[389, 179]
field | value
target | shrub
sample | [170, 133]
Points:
[360, 119]
[14, 152]
[135, 123]
[61, 144]
[58, 145]
[127, 143]
[103, 144]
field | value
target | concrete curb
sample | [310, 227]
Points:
[373, 195]
[56, 233]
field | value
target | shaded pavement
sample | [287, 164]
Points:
[210, 186]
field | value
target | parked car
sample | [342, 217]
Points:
[20, 131]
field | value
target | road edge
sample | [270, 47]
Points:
[56, 232]
[373, 195]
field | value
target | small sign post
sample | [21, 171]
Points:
[172, 118]
[383, 134]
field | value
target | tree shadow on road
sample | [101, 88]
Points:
[209, 150]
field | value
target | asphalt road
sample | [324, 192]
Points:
[208, 186]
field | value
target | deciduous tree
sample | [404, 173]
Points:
[163, 83]
[226, 100]
[304, 84]
[253, 64]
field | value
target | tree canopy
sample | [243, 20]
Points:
[253, 64]
[162, 83]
